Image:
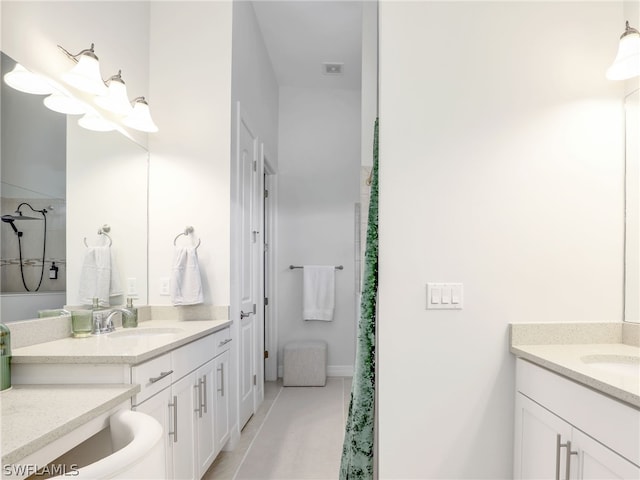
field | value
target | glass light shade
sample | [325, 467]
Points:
[28, 82]
[85, 76]
[627, 62]
[140, 118]
[116, 100]
[93, 121]
[64, 104]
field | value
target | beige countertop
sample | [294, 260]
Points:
[571, 350]
[33, 416]
[114, 349]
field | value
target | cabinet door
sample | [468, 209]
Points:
[222, 400]
[158, 408]
[537, 455]
[597, 462]
[206, 394]
[183, 402]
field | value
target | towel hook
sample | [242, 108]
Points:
[187, 231]
[102, 231]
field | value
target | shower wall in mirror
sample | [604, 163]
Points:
[32, 203]
[632, 203]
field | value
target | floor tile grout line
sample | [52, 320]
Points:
[264, 420]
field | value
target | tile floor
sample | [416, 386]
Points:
[296, 433]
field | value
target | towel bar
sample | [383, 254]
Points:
[337, 267]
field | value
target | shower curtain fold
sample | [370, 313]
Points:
[357, 451]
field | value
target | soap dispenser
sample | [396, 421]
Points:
[5, 357]
[131, 320]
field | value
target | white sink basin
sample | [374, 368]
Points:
[145, 332]
[627, 365]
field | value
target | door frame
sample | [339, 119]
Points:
[270, 216]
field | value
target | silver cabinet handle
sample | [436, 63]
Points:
[174, 405]
[203, 382]
[160, 377]
[569, 453]
[221, 370]
[559, 447]
[244, 315]
[224, 342]
[198, 396]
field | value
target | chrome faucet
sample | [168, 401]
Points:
[102, 320]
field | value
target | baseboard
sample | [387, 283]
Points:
[332, 371]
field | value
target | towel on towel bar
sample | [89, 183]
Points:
[319, 287]
[185, 283]
[99, 277]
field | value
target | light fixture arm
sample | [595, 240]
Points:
[629, 31]
[87, 51]
[139, 100]
[116, 78]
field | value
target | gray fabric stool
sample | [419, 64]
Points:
[305, 364]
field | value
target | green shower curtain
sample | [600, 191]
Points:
[357, 450]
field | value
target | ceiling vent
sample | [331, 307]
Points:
[332, 68]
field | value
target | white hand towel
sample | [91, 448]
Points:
[185, 283]
[318, 292]
[115, 285]
[95, 275]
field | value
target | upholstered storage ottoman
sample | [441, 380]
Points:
[305, 364]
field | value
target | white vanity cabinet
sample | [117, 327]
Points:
[181, 392]
[564, 430]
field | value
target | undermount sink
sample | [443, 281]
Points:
[146, 332]
[627, 365]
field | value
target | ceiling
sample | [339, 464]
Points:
[301, 35]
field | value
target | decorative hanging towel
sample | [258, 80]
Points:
[319, 287]
[185, 282]
[357, 450]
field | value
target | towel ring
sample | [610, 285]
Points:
[188, 230]
[100, 232]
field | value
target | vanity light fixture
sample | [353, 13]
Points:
[97, 123]
[61, 103]
[85, 75]
[28, 82]
[116, 100]
[627, 62]
[140, 117]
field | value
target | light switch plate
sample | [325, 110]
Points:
[444, 296]
[164, 286]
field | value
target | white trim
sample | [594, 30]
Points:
[271, 371]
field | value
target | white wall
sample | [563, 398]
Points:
[318, 187]
[190, 95]
[501, 166]
[254, 82]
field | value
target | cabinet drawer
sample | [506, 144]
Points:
[191, 356]
[152, 376]
[222, 340]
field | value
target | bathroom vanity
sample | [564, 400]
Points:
[577, 405]
[174, 371]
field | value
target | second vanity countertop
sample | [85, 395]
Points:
[114, 349]
[34, 416]
[563, 348]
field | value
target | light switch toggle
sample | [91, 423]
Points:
[444, 296]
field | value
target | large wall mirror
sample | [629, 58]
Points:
[632, 208]
[71, 182]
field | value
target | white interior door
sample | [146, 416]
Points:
[247, 159]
